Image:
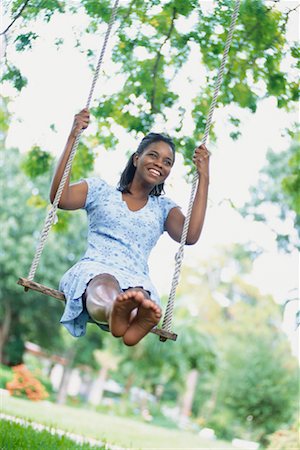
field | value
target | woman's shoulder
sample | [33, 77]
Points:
[163, 201]
[96, 187]
[97, 183]
[165, 204]
[95, 180]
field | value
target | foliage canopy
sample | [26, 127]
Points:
[156, 43]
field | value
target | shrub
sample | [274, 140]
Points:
[6, 375]
[24, 384]
[284, 440]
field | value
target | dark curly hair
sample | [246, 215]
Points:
[129, 171]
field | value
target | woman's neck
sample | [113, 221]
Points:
[139, 191]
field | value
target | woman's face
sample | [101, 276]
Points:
[155, 163]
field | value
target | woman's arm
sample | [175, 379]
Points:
[73, 195]
[175, 220]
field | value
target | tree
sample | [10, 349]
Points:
[26, 314]
[275, 199]
[151, 51]
[254, 388]
[152, 48]
[31, 315]
[157, 367]
[107, 362]
[257, 386]
[17, 235]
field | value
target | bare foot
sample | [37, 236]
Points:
[148, 315]
[121, 311]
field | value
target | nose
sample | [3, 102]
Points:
[158, 163]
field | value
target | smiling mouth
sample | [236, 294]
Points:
[155, 172]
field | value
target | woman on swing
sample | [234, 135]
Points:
[110, 285]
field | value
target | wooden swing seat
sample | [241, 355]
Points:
[27, 284]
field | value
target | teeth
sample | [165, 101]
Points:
[155, 172]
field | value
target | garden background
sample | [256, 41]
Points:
[234, 368]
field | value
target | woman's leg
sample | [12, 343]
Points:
[100, 294]
[131, 314]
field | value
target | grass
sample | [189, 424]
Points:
[16, 437]
[112, 429]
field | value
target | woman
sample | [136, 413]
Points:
[110, 285]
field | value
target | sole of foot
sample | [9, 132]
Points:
[122, 309]
[148, 316]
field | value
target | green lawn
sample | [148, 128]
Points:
[14, 436]
[114, 430]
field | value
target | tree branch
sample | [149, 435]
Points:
[292, 9]
[254, 28]
[5, 49]
[17, 16]
[130, 6]
[158, 56]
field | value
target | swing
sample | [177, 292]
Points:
[164, 332]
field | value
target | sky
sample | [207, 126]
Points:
[58, 87]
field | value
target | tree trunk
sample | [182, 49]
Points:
[64, 383]
[158, 392]
[4, 329]
[96, 393]
[211, 404]
[188, 398]
[129, 384]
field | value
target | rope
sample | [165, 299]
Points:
[51, 216]
[167, 321]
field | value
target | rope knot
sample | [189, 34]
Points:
[179, 255]
[52, 216]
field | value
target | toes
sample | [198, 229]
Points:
[149, 304]
[140, 295]
[119, 298]
[127, 296]
[158, 314]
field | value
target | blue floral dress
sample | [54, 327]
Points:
[119, 243]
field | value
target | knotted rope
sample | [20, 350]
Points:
[167, 321]
[51, 216]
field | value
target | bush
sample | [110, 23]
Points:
[6, 375]
[257, 387]
[36, 366]
[24, 384]
[47, 385]
[224, 424]
[284, 440]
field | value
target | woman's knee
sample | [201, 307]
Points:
[103, 283]
[99, 296]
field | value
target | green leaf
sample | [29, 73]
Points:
[24, 41]
[36, 162]
[14, 75]
[83, 162]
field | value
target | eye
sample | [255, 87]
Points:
[168, 162]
